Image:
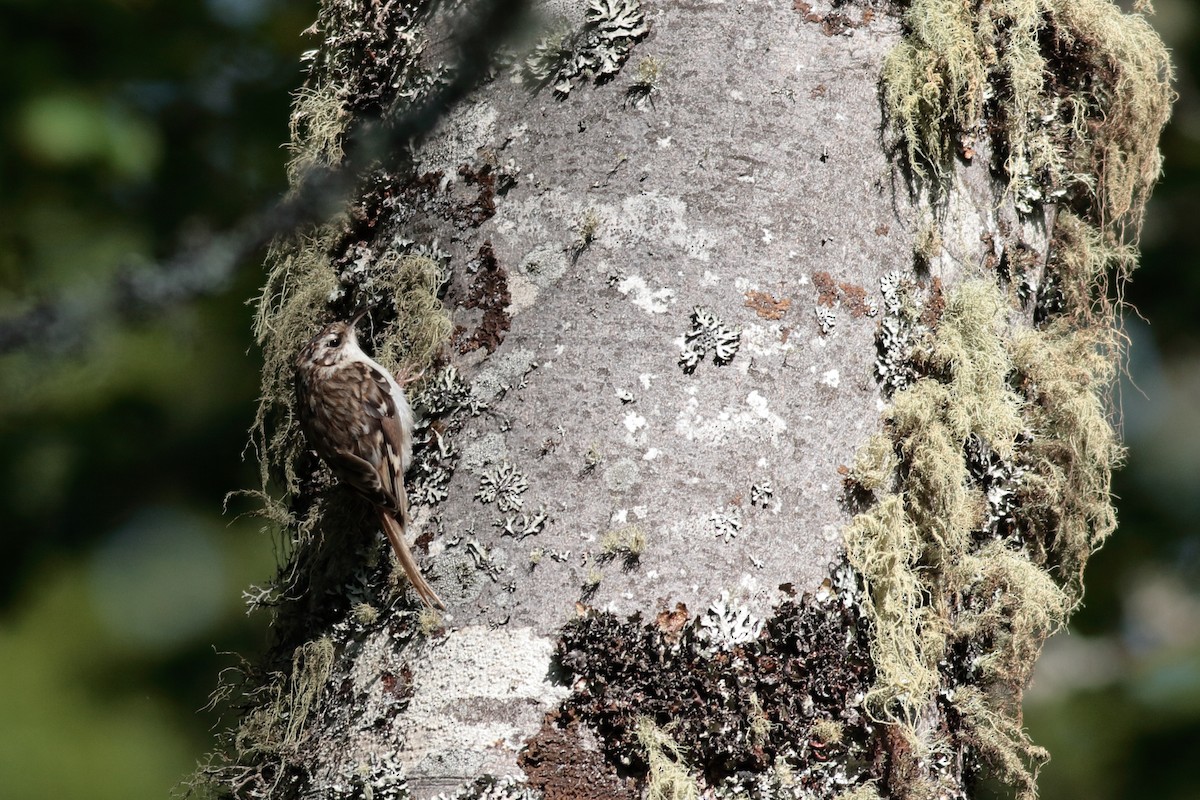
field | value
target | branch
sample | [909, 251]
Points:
[146, 290]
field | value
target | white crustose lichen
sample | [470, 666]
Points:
[503, 486]
[708, 334]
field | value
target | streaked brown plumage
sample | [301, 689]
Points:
[357, 418]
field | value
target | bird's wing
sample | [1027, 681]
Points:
[383, 407]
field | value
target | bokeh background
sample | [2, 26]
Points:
[132, 128]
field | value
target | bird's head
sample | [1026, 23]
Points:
[336, 342]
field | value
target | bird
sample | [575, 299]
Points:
[357, 418]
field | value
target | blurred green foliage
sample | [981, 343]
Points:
[132, 128]
[1117, 701]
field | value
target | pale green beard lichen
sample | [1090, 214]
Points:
[1073, 93]
[1071, 96]
[935, 583]
[669, 776]
[279, 724]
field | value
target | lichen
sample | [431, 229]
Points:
[1073, 93]
[283, 723]
[740, 697]
[708, 334]
[594, 51]
[989, 490]
[503, 485]
[490, 787]
[669, 777]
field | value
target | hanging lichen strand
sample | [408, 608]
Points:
[366, 63]
[1071, 93]
[990, 485]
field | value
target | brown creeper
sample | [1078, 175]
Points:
[357, 418]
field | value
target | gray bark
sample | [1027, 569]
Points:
[729, 192]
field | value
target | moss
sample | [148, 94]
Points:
[1011, 606]
[1073, 93]
[933, 81]
[365, 614]
[318, 124]
[866, 791]
[874, 464]
[292, 303]
[828, 731]
[907, 636]
[430, 621]
[1066, 495]
[759, 729]
[999, 738]
[1085, 271]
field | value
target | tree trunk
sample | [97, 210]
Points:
[763, 437]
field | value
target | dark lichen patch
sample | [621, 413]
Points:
[911, 311]
[489, 294]
[466, 203]
[362, 54]
[560, 766]
[733, 695]
[833, 23]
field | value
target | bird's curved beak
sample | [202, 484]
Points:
[362, 312]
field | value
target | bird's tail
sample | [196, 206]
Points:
[395, 534]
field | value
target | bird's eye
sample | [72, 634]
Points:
[334, 341]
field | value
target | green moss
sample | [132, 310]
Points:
[318, 125]
[933, 82]
[828, 731]
[1086, 269]
[293, 302]
[866, 791]
[1000, 739]
[875, 464]
[935, 584]
[629, 541]
[760, 723]
[1012, 605]
[907, 636]
[967, 395]
[1071, 96]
